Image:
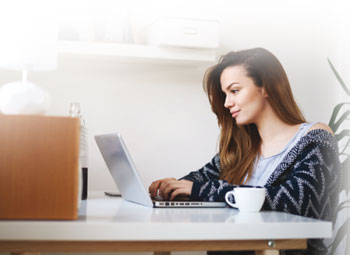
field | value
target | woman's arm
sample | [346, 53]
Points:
[309, 187]
[209, 172]
[169, 188]
[305, 183]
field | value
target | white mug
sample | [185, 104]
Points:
[248, 199]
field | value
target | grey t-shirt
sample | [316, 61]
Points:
[264, 167]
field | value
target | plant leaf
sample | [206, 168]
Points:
[343, 152]
[332, 122]
[343, 205]
[342, 118]
[346, 174]
[347, 248]
[342, 134]
[342, 83]
[341, 233]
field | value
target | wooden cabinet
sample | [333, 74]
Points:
[39, 161]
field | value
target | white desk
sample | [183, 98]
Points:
[112, 224]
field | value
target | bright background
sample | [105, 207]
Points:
[161, 109]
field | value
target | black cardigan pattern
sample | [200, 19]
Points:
[305, 183]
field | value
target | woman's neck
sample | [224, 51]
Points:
[275, 134]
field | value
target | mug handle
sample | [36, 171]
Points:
[232, 192]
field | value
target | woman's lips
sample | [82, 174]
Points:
[235, 113]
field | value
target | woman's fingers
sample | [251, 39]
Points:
[168, 187]
[185, 188]
[165, 188]
[172, 188]
[156, 185]
[153, 188]
[177, 192]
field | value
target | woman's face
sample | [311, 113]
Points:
[244, 99]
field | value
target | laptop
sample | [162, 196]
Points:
[127, 179]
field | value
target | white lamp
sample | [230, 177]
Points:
[27, 43]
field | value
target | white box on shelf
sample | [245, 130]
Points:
[183, 32]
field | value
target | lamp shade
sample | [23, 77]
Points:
[28, 42]
[28, 35]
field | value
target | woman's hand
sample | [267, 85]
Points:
[169, 188]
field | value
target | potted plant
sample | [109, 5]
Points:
[340, 115]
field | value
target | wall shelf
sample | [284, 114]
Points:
[139, 53]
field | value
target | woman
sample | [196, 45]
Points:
[264, 141]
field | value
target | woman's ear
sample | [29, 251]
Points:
[263, 91]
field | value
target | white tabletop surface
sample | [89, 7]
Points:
[113, 219]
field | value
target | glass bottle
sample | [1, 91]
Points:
[74, 112]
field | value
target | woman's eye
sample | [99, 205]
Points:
[234, 91]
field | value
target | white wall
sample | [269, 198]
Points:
[162, 111]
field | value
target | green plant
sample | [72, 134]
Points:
[339, 116]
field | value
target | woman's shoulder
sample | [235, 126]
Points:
[319, 134]
[321, 126]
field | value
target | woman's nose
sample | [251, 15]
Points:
[228, 102]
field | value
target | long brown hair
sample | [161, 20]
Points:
[239, 145]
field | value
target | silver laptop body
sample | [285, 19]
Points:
[125, 176]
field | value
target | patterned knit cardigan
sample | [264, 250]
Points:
[305, 183]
